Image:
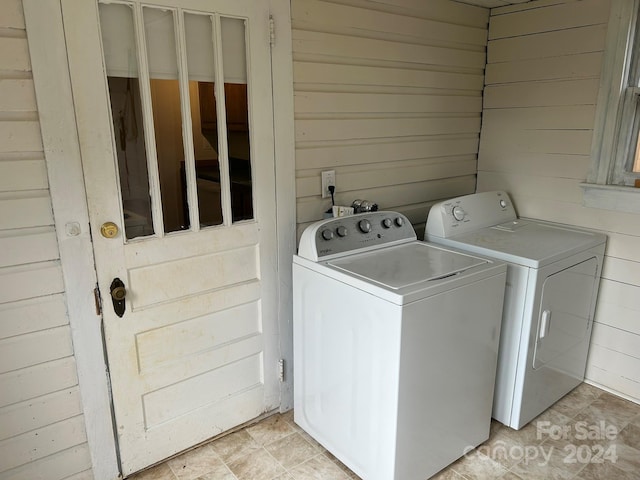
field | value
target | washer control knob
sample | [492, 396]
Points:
[386, 223]
[503, 203]
[399, 221]
[364, 226]
[327, 234]
[458, 213]
[342, 231]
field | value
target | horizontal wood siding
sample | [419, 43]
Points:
[43, 433]
[389, 95]
[542, 77]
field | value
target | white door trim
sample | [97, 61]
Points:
[47, 48]
[55, 105]
[283, 125]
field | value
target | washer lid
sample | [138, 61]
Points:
[405, 265]
[528, 242]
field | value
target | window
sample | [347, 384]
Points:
[627, 156]
[615, 168]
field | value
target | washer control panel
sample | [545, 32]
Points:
[363, 231]
[469, 213]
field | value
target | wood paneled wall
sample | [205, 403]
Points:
[542, 78]
[42, 432]
[388, 94]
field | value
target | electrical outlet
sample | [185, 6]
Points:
[328, 179]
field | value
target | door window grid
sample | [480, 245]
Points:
[193, 182]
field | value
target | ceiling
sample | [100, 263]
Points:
[492, 3]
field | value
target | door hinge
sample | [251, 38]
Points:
[98, 300]
[281, 369]
[272, 32]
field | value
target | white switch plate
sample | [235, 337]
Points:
[328, 179]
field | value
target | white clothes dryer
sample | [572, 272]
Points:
[553, 277]
[395, 345]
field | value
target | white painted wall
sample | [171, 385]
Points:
[387, 94]
[42, 433]
[542, 79]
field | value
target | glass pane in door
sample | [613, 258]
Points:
[234, 61]
[167, 116]
[121, 62]
[636, 158]
[201, 68]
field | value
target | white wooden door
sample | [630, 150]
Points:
[173, 106]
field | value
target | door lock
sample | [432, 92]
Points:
[109, 230]
[118, 296]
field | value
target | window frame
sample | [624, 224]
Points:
[609, 184]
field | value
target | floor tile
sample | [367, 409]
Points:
[318, 468]
[583, 431]
[278, 449]
[537, 431]
[475, 465]
[270, 429]
[258, 465]
[629, 435]
[291, 450]
[502, 448]
[234, 446]
[342, 466]
[312, 441]
[541, 472]
[221, 472]
[511, 476]
[284, 476]
[494, 427]
[195, 463]
[576, 400]
[595, 416]
[288, 417]
[159, 472]
[588, 390]
[447, 474]
[628, 458]
[538, 461]
[621, 409]
[606, 471]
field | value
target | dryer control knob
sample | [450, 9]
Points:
[327, 234]
[386, 223]
[458, 213]
[364, 226]
[503, 203]
[399, 221]
[342, 231]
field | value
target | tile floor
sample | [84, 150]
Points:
[588, 435]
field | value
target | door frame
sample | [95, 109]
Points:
[43, 19]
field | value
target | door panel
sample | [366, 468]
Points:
[565, 314]
[195, 352]
[178, 279]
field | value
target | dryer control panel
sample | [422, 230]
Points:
[469, 213]
[361, 232]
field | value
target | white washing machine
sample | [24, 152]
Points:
[552, 284]
[395, 345]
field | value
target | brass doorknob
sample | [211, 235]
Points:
[109, 230]
[118, 296]
[119, 293]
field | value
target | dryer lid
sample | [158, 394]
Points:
[405, 265]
